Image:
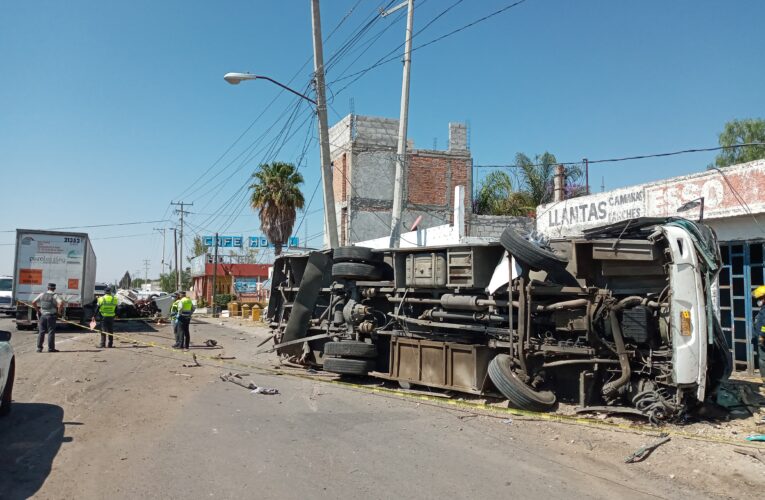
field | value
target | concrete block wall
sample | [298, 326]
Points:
[490, 227]
[457, 137]
[363, 149]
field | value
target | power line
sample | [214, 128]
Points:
[95, 225]
[637, 157]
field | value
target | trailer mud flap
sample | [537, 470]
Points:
[305, 302]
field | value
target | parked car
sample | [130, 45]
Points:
[6, 295]
[7, 372]
[620, 320]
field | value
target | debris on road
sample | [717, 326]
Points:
[264, 390]
[255, 389]
[196, 363]
[211, 343]
[221, 356]
[757, 455]
[756, 437]
[645, 451]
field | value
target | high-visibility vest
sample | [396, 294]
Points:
[107, 305]
[185, 306]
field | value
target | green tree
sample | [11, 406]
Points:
[198, 248]
[499, 194]
[741, 132]
[167, 281]
[276, 196]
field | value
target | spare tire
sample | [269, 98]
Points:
[350, 348]
[518, 394]
[355, 254]
[528, 253]
[355, 271]
[346, 366]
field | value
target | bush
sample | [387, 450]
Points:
[222, 299]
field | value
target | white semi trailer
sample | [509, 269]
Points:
[66, 259]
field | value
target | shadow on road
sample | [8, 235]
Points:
[30, 438]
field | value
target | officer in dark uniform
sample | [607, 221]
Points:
[758, 335]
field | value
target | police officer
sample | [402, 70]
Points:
[174, 319]
[47, 304]
[107, 308]
[758, 335]
[185, 309]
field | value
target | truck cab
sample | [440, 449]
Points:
[6, 295]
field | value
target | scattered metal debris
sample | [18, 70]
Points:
[221, 356]
[254, 389]
[757, 455]
[196, 363]
[211, 343]
[645, 451]
[756, 437]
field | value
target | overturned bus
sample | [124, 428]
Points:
[620, 319]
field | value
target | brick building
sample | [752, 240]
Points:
[363, 151]
[241, 279]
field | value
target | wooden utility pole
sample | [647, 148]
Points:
[330, 220]
[182, 212]
[558, 183]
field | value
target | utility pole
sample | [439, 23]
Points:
[182, 212]
[146, 264]
[400, 180]
[162, 268]
[215, 276]
[175, 254]
[330, 220]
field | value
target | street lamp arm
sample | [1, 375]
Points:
[288, 89]
[236, 78]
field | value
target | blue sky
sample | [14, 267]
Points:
[110, 110]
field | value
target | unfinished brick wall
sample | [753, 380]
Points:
[432, 177]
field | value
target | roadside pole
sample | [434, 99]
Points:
[179, 270]
[175, 255]
[215, 276]
[400, 179]
[330, 220]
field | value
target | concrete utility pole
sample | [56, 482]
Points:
[180, 254]
[175, 255]
[330, 220]
[215, 277]
[146, 264]
[162, 267]
[399, 186]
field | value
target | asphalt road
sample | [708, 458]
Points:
[132, 422]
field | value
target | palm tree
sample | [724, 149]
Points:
[277, 197]
[499, 194]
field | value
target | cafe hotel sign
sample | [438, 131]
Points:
[726, 193]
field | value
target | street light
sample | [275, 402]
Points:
[237, 78]
[330, 220]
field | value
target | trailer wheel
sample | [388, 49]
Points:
[347, 366]
[5, 401]
[350, 348]
[528, 253]
[518, 394]
[355, 254]
[355, 271]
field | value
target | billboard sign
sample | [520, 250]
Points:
[238, 241]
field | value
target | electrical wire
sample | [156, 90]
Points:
[629, 158]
